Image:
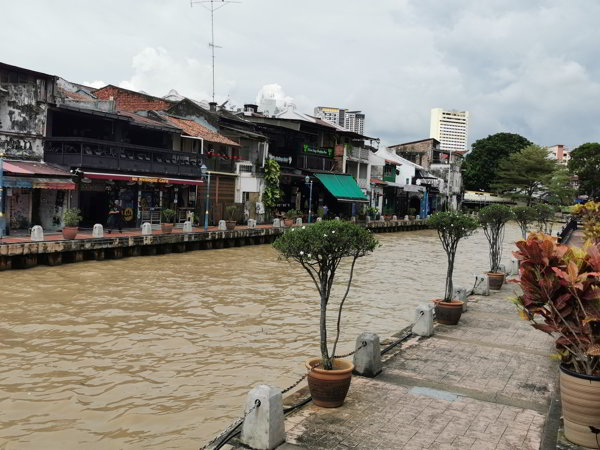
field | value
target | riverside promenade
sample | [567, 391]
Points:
[487, 383]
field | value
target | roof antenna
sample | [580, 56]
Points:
[209, 5]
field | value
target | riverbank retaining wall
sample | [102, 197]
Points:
[25, 255]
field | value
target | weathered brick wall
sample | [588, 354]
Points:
[131, 101]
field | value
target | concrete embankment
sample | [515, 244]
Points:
[486, 383]
[23, 254]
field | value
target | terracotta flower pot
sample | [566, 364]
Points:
[448, 313]
[70, 232]
[496, 280]
[288, 222]
[230, 224]
[166, 228]
[580, 397]
[328, 388]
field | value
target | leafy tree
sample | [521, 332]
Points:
[451, 228]
[272, 192]
[524, 174]
[480, 165]
[544, 215]
[319, 249]
[524, 216]
[493, 218]
[558, 187]
[585, 163]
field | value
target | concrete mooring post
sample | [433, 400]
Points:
[276, 223]
[251, 223]
[299, 221]
[98, 231]
[367, 359]
[319, 219]
[460, 293]
[37, 233]
[482, 285]
[146, 229]
[263, 428]
[513, 267]
[423, 320]
[187, 226]
[222, 225]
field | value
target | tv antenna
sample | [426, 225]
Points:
[209, 5]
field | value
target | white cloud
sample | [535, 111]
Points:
[95, 84]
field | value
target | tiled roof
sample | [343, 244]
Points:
[145, 121]
[75, 95]
[33, 168]
[192, 128]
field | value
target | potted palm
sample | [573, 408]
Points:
[167, 216]
[319, 249]
[524, 216]
[561, 297]
[231, 214]
[412, 213]
[451, 227]
[493, 219]
[71, 219]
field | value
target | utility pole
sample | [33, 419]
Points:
[209, 5]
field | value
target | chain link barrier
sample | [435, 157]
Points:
[236, 423]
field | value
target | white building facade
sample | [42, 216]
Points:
[350, 120]
[451, 128]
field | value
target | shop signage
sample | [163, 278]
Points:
[318, 151]
[150, 180]
[128, 214]
[281, 159]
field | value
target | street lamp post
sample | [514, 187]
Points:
[206, 174]
[309, 183]
[2, 224]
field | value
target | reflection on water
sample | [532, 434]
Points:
[159, 352]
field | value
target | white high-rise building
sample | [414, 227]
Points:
[351, 120]
[451, 128]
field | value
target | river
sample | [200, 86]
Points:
[160, 352]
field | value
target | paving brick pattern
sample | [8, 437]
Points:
[484, 384]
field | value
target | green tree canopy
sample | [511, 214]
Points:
[558, 187]
[525, 173]
[480, 165]
[272, 192]
[585, 163]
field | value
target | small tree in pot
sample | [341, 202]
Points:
[71, 219]
[451, 228]
[319, 249]
[167, 216]
[561, 297]
[544, 216]
[524, 216]
[493, 219]
[231, 216]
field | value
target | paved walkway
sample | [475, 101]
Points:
[484, 384]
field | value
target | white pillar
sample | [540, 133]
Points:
[264, 428]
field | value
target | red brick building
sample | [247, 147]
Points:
[126, 100]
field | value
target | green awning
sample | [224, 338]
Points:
[342, 187]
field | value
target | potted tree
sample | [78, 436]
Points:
[412, 213]
[231, 214]
[561, 297]
[524, 216]
[493, 219]
[290, 217]
[319, 249]
[167, 216]
[71, 219]
[544, 216]
[451, 228]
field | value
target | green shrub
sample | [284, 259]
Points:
[72, 217]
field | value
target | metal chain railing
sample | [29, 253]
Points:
[236, 423]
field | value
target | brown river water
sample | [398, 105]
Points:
[160, 352]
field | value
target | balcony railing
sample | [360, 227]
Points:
[315, 163]
[107, 155]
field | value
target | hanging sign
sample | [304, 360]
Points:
[318, 151]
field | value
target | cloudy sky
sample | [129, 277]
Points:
[524, 66]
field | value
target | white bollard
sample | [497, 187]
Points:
[264, 428]
[337, 218]
[367, 359]
[319, 219]
[222, 225]
[98, 231]
[482, 285]
[37, 233]
[299, 221]
[353, 219]
[276, 223]
[394, 218]
[187, 226]
[251, 223]
[513, 267]
[423, 320]
[461, 294]
[367, 219]
[146, 228]
[405, 217]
